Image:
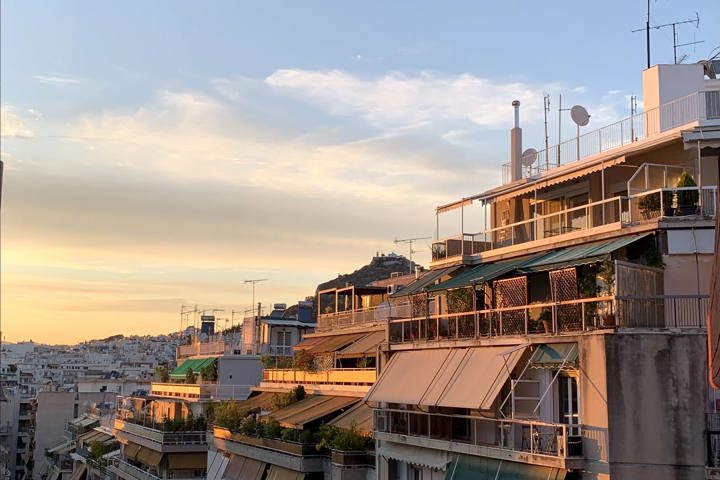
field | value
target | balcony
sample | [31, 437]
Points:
[596, 217]
[365, 316]
[200, 391]
[572, 316]
[338, 376]
[699, 107]
[292, 455]
[203, 349]
[528, 441]
[160, 437]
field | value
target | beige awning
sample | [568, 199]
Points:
[366, 345]
[262, 401]
[131, 450]
[149, 457]
[423, 457]
[243, 468]
[407, 376]
[310, 409]
[478, 378]
[459, 377]
[78, 472]
[187, 461]
[333, 343]
[94, 436]
[361, 416]
[280, 473]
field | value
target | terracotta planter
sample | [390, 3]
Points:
[355, 459]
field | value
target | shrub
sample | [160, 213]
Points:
[345, 440]
[687, 197]
[268, 361]
[228, 415]
[272, 429]
[290, 434]
[306, 437]
[249, 426]
[209, 372]
[282, 400]
[190, 376]
[304, 360]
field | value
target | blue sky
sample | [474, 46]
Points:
[159, 153]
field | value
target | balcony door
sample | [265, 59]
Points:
[569, 403]
[282, 344]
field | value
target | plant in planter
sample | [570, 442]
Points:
[667, 199]
[687, 199]
[546, 319]
[650, 205]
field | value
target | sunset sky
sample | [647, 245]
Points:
[160, 153]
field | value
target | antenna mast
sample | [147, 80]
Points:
[410, 242]
[647, 28]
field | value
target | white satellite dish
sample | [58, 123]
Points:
[579, 115]
[528, 157]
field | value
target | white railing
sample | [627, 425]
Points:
[623, 210]
[380, 313]
[529, 436]
[128, 469]
[698, 106]
[647, 312]
[207, 348]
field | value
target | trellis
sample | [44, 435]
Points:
[564, 287]
[511, 292]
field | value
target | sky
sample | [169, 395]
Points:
[158, 154]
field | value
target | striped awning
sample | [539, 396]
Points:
[366, 345]
[244, 468]
[360, 416]
[310, 409]
[187, 461]
[194, 364]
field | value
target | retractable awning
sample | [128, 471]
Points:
[423, 457]
[262, 401]
[459, 377]
[366, 345]
[361, 415]
[332, 343]
[131, 450]
[576, 256]
[244, 468]
[553, 355]
[63, 448]
[196, 364]
[426, 280]
[188, 461]
[467, 467]
[280, 473]
[217, 463]
[149, 457]
[482, 273]
[310, 409]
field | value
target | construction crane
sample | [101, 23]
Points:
[410, 242]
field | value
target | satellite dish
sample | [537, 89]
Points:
[579, 115]
[528, 157]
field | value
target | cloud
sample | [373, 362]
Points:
[397, 100]
[11, 125]
[57, 79]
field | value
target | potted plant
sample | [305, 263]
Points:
[687, 199]
[546, 319]
[667, 197]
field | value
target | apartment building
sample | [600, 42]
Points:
[307, 418]
[568, 338]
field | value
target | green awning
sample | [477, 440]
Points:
[196, 364]
[552, 355]
[467, 467]
[419, 285]
[576, 256]
[482, 273]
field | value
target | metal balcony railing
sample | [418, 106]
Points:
[696, 107]
[200, 391]
[338, 376]
[624, 211]
[380, 313]
[528, 436]
[126, 469]
[650, 312]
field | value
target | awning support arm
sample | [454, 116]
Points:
[512, 388]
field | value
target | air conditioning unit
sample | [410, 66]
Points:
[392, 288]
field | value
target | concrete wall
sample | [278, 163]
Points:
[664, 83]
[656, 393]
[592, 383]
[239, 370]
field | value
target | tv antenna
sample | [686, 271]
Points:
[546, 108]
[647, 28]
[254, 281]
[581, 118]
[410, 241]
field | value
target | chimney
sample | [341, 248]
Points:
[516, 145]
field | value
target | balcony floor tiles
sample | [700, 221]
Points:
[483, 451]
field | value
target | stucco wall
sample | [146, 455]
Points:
[656, 391]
